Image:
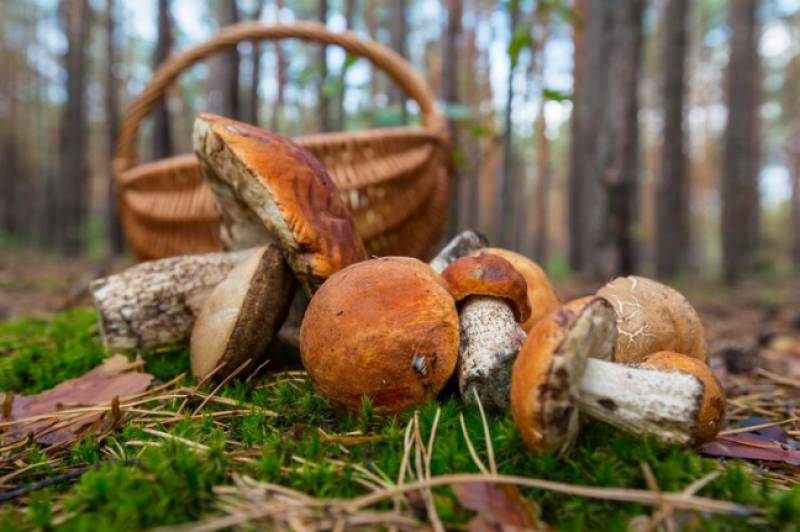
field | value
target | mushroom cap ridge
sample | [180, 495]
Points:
[711, 413]
[488, 275]
[542, 295]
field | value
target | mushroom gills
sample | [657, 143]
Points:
[592, 335]
[490, 341]
[643, 401]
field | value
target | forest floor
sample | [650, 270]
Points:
[273, 450]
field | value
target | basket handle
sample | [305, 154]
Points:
[382, 57]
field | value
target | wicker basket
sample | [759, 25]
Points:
[394, 180]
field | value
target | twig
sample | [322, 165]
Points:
[220, 385]
[678, 500]
[754, 428]
[785, 381]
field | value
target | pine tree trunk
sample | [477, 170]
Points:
[451, 97]
[397, 29]
[224, 97]
[617, 156]
[506, 192]
[740, 166]
[341, 115]
[162, 135]
[577, 219]
[543, 181]
[115, 236]
[323, 100]
[73, 190]
[279, 96]
[672, 191]
[255, 72]
[791, 121]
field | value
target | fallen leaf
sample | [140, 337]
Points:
[499, 506]
[749, 447]
[109, 382]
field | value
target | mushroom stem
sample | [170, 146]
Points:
[490, 341]
[643, 401]
[154, 304]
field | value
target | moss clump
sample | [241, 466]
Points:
[285, 438]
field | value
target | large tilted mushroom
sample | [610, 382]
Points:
[271, 190]
[493, 301]
[564, 367]
[242, 315]
[653, 317]
[386, 329]
[155, 304]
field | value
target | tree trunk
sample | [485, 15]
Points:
[224, 97]
[341, 115]
[543, 180]
[740, 199]
[115, 236]
[577, 219]
[255, 73]
[73, 169]
[279, 96]
[398, 28]
[323, 100]
[371, 18]
[616, 158]
[672, 191]
[791, 120]
[451, 97]
[505, 181]
[162, 136]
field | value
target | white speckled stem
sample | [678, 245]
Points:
[490, 341]
[643, 401]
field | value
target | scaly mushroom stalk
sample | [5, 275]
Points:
[154, 304]
[493, 297]
[643, 401]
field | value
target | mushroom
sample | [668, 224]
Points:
[564, 368]
[493, 301]
[242, 315]
[461, 245]
[652, 317]
[542, 295]
[384, 328]
[271, 190]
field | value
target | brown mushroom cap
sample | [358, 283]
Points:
[547, 373]
[384, 328]
[270, 189]
[711, 413]
[242, 315]
[542, 295]
[488, 275]
[653, 317]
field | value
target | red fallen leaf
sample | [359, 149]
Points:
[112, 379]
[499, 506]
[749, 447]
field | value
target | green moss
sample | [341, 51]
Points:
[171, 483]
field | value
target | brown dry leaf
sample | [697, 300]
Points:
[749, 447]
[499, 507]
[105, 383]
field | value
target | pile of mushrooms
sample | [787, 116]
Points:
[396, 330]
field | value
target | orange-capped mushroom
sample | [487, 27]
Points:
[384, 328]
[493, 301]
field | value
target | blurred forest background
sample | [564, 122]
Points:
[596, 136]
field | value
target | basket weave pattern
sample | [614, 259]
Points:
[393, 180]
